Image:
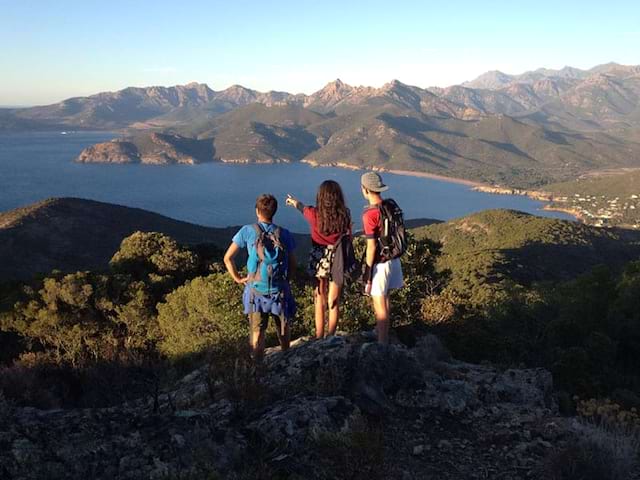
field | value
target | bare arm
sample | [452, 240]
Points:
[230, 263]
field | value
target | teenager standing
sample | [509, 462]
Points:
[330, 224]
[270, 260]
[383, 271]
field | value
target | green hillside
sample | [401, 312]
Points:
[71, 234]
[490, 251]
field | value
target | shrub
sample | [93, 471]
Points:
[608, 413]
[201, 314]
[231, 372]
[143, 254]
[439, 308]
[420, 280]
[355, 453]
[83, 317]
[599, 452]
[41, 381]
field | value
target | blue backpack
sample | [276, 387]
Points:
[271, 264]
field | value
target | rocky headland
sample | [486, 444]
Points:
[152, 149]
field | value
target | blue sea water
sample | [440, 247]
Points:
[35, 166]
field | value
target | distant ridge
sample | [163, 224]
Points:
[71, 234]
[540, 127]
[75, 234]
[159, 106]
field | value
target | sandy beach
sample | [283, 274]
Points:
[462, 181]
[408, 173]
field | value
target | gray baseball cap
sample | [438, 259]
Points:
[373, 182]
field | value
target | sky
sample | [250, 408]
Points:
[52, 50]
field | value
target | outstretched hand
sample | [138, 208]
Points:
[294, 202]
[291, 201]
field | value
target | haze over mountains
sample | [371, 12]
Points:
[521, 130]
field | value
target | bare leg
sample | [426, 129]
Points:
[256, 340]
[284, 334]
[320, 302]
[381, 310]
[334, 306]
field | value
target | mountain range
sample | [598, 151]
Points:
[522, 130]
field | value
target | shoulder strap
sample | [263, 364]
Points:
[258, 244]
[275, 235]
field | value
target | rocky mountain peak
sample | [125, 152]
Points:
[196, 85]
[490, 80]
[394, 85]
[336, 87]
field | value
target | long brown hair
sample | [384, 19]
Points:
[333, 214]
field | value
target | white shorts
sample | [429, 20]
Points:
[386, 276]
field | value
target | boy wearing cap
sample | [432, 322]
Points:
[380, 276]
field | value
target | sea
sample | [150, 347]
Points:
[39, 165]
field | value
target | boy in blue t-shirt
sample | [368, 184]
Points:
[267, 292]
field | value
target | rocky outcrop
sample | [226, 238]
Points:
[153, 149]
[115, 151]
[433, 412]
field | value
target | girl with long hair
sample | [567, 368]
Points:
[330, 223]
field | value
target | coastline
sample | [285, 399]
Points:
[569, 211]
[406, 173]
[475, 185]
[434, 176]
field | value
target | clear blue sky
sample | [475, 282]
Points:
[57, 49]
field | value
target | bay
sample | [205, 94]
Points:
[39, 165]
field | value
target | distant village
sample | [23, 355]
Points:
[597, 210]
[602, 211]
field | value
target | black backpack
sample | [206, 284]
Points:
[393, 239]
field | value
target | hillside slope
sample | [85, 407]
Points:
[486, 251]
[389, 135]
[74, 234]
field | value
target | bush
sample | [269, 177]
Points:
[356, 453]
[608, 413]
[598, 452]
[41, 381]
[201, 314]
[153, 254]
[356, 310]
[232, 373]
[439, 308]
[83, 317]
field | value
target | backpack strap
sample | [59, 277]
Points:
[275, 236]
[259, 243]
[259, 247]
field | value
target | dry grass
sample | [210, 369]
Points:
[599, 452]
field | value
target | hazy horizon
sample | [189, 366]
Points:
[297, 92]
[297, 47]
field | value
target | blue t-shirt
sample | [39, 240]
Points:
[246, 238]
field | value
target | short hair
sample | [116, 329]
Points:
[267, 205]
